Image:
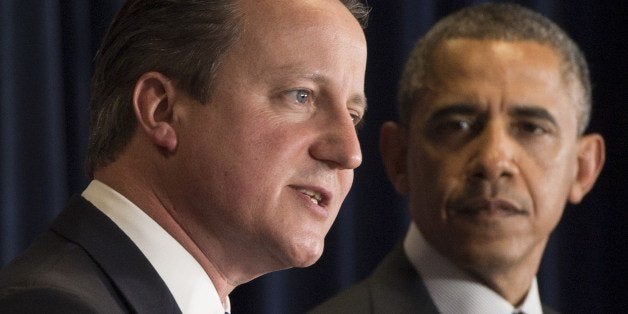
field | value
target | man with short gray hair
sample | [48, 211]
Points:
[491, 145]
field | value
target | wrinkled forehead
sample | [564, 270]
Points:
[468, 56]
[299, 30]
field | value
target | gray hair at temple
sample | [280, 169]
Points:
[493, 21]
[186, 40]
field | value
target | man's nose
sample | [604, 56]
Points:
[338, 144]
[493, 154]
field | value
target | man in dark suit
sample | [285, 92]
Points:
[222, 144]
[491, 145]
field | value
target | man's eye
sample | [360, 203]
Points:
[453, 129]
[301, 95]
[458, 125]
[356, 118]
[530, 128]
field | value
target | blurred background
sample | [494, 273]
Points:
[46, 53]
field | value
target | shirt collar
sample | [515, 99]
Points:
[190, 286]
[452, 290]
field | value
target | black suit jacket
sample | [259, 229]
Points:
[83, 264]
[394, 287]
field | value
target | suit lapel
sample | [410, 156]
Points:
[130, 272]
[396, 287]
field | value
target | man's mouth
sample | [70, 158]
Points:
[493, 207]
[315, 197]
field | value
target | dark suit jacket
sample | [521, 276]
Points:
[83, 264]
[394, 287]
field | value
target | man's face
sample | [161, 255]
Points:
[269, 160]
[492, 152]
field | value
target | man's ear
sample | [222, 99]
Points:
[393, 147]
[153, 99]
[591, 156]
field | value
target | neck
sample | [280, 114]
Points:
[512, 282]
[512, 287]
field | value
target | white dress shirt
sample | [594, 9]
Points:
[452, 290]
[190, 286]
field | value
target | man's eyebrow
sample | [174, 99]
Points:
[458, 108]
[532, 111]
[303, 73]
[360, 100]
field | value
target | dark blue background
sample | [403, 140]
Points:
[46, 52]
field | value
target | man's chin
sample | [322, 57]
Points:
[488, 260]
[304, 254]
